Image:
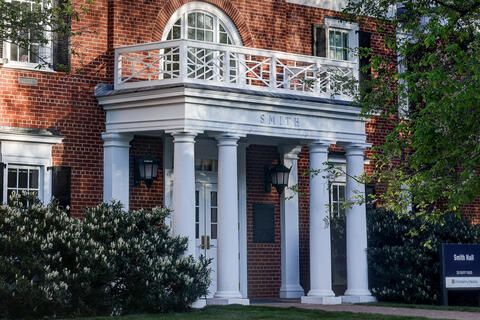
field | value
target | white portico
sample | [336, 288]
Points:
[208, 101]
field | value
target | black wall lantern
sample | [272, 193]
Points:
[146, 169]
[276, 176]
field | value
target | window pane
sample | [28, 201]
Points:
[177, 32]
[22, 178]
[200, 23]
[339, 54]
[214, 231]
[342, 193]
[13, 52]
[213, 215]
[332, 53]
[33, 181]
[200, 35]
[191, 34]
[223, 38]
[338, 39]
[191, 20]
[335, 193]
[209, 22]
[331, 38]
[12, 178]
[23, 55]
[209, 36]
[197, 231]
[34, 53]
[197, 198]
[213, 199]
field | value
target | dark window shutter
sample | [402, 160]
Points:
[61, 181]
[61, 43]
[1, 51]
[319, 41]
[2, 168]
[364, 41]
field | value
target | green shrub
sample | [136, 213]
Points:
[109, 262]
[403, 254]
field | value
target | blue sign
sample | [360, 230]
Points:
[461, 265]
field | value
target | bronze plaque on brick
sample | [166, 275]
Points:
[263, 223]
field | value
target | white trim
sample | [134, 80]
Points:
[29, 150]
[207, 8]
[335, 5]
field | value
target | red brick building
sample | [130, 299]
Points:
[216, 91]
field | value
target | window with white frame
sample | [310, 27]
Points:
[337, 44]
[337, 198]
[35, 53]
[23, 179]
[335, 39]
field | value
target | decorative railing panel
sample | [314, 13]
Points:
[181, 61]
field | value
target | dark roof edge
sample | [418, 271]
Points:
[105, 90]
[30, 131]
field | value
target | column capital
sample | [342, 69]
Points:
[116, 139]
[227, 139]
[290, 152]
[184, 136]
[320, 146]
[356, 149]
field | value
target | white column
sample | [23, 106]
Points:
[320, 247]
[356, 230]
[228, 278]
[183, 204]
[289, 232]
[116, 173]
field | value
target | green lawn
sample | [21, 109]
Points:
[423, 306]
[256, 313]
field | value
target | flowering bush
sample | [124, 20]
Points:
[109, 262]
[403, 254]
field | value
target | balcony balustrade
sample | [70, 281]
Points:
[187, 61]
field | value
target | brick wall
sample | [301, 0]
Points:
[140, 196]
[263, 259]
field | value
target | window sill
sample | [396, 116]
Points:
[26, 67]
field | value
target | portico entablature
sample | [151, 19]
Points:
[206, 108]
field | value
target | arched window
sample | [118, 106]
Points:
[201, 21]
[200, 26]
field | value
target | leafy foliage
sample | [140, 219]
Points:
[432, 155]
[403, 254]
[111, 262]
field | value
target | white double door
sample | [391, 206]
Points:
[206, 226]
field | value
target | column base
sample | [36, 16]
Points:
[321, 300]
[358, 299]
[291, 292]
[226, 301]
[199, 304]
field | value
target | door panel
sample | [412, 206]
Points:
[206, 217]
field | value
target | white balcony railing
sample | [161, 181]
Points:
[186, 61]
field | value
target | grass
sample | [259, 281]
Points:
[257, 313]
[423, 306]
